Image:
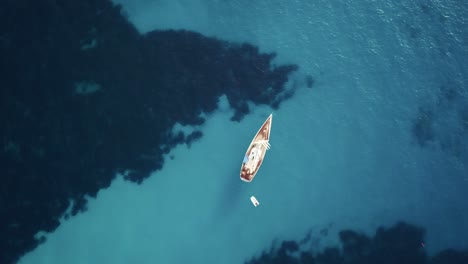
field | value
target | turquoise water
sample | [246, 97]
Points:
[344, 153]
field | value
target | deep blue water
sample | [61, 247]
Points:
[369, 140]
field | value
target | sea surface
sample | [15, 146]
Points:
[375, 133]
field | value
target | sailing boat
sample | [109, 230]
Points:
[256, 152]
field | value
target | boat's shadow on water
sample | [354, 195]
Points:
[233, 193]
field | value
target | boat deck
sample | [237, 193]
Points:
[256, 152]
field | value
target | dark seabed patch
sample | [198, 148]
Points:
[85, 96]
[422, 127]
[444, 122]
[402, 243]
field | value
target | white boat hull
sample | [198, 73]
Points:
[256, 151]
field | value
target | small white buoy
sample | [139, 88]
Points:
[254, 201]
